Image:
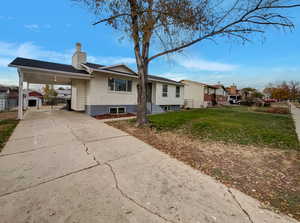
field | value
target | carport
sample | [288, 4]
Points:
[41, 72]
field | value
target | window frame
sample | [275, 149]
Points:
[111, 85]
[117, 110]
[165, 93]
[177, 94]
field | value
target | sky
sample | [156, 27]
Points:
[48, 30]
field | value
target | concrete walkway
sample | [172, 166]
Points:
[296, 116]
[67, 167]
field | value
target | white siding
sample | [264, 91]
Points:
[78, 99]
[171, 99]
[193, 94]
[99, 94]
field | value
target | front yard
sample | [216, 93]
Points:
[8, 123]
[255, 152]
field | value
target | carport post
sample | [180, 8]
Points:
[27, 95]
[20, 108]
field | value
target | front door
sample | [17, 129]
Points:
[149, 92]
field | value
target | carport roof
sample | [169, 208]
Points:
[29, 63]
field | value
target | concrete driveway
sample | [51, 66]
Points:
[64, 166]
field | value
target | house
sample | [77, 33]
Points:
[221, 94]
[199, 95]
[63, 93]
[234, 95]
[8, 97]
[33, 99]
[97, 89]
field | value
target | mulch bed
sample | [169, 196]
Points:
[112, 116]
[8, 115]
[269, 175]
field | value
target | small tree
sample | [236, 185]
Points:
[49, 94]
[173, 25]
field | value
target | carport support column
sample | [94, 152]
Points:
[20, 108]
[27, 95]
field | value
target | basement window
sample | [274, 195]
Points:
[117, 110]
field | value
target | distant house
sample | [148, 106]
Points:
[63, 93]
[8, 97]
[200, 95]
[35, 99]
[234, 95]
[221, 94]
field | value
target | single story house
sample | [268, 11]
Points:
[33, 99]
[97, 89]
[200, 95]
[8, 98]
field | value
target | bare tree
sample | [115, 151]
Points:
[294, 89]
[173, 25]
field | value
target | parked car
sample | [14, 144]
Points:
[234, 99]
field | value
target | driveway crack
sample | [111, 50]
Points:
[239, 204]
[86, 148]
[131, 199]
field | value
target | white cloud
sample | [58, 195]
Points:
[204, 65]
[111, 60]
[8, 51]
[175, 76]
[32, 27]
[4, 62]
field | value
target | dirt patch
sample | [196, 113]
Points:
[8, 115]
[112, 116]
[269, 175]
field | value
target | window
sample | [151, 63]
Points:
[119, 85]
[177, 91]
[117, 110]
[113, 110]
[165, 90]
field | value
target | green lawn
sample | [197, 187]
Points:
[6, 128]
[233, 125]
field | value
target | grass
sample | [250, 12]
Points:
[6, 128]
[232, 125]
[196, 137]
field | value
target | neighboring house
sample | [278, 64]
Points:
[99, 89]
[221, 94]
[8, 98]
[199, 95]
[234, 95]
[63, 93]
[33, 99]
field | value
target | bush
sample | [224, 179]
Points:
[274, 110]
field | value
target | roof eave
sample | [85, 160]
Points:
[48, 70]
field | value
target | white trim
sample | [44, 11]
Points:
[20, 104]
[118, 65]
[136, 77]
[70, 74]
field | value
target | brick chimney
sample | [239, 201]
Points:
[79, 57]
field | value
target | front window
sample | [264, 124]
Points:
[165, 90]
[115, 84]
[177, 92]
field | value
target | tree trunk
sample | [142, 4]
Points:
[142, 94]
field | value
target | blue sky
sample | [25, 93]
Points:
[48, 30]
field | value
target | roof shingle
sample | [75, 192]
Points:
[45, 65]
